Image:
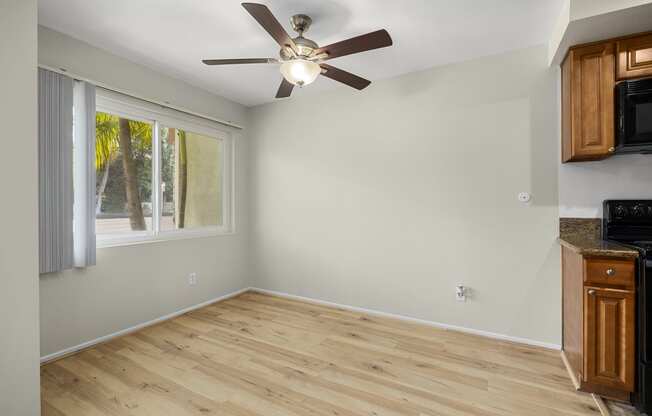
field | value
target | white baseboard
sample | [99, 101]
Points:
[134, 328]
[415, 320]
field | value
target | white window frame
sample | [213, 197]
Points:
[135, 109]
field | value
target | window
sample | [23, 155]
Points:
[191, 180]
[160, 174]
[123, 163]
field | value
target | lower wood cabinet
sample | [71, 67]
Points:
[598, 323]
[608, 329]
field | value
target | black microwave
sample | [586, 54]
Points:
[634, 116]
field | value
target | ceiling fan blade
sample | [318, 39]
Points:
[285, 90]
[240, 61]
[362, 43]
[344, 77]
[266, 19]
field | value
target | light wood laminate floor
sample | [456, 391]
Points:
[262, 355]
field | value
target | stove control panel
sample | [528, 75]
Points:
[626, 211]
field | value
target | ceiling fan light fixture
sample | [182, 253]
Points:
[302, 59]
[300, 72]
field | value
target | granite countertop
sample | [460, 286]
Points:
[584, 237]
[597, 247]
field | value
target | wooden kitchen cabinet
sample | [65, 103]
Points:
[588, 81]
[634, 57]
[598, 342]
[589, 74]
[609, 324]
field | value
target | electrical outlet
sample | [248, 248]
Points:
[192, 279]
[460, 293]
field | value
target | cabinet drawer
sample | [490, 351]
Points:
[609, 272]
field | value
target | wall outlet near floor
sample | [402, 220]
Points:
[192, 279]
[460, 293]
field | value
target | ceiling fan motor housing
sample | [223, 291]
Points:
[305, 48]
[300, 23]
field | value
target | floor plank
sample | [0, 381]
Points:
[263, 355]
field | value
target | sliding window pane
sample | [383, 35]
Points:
[191, 180]
[123, 162]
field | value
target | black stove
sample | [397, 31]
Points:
[646, 246]
[629, 222]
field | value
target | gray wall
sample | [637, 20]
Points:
[388, 198]
[583, 186]
[19, 339]
[134, 284]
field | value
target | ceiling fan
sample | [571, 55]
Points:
[301, 59]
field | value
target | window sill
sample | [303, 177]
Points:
[109, 241]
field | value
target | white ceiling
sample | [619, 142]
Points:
[173, 36]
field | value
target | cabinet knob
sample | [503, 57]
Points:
[591, 292]
[612, 149]
[611, 272]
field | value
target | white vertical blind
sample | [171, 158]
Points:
[55, 104]
[84, 174]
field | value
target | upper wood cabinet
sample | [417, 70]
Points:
[634, 57]
[588, 80]
[589, 75]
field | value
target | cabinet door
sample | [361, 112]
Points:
[588, 103]
[635, 57]
[609, 338]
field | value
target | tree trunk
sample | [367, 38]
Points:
[134, 206]
[100, 190]
[183, 178]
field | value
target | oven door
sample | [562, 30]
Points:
[642, 397]
[634, 121]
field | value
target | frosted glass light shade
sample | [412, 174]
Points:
[300, 71]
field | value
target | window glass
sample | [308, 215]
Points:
[123, 162]
[191, 180]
